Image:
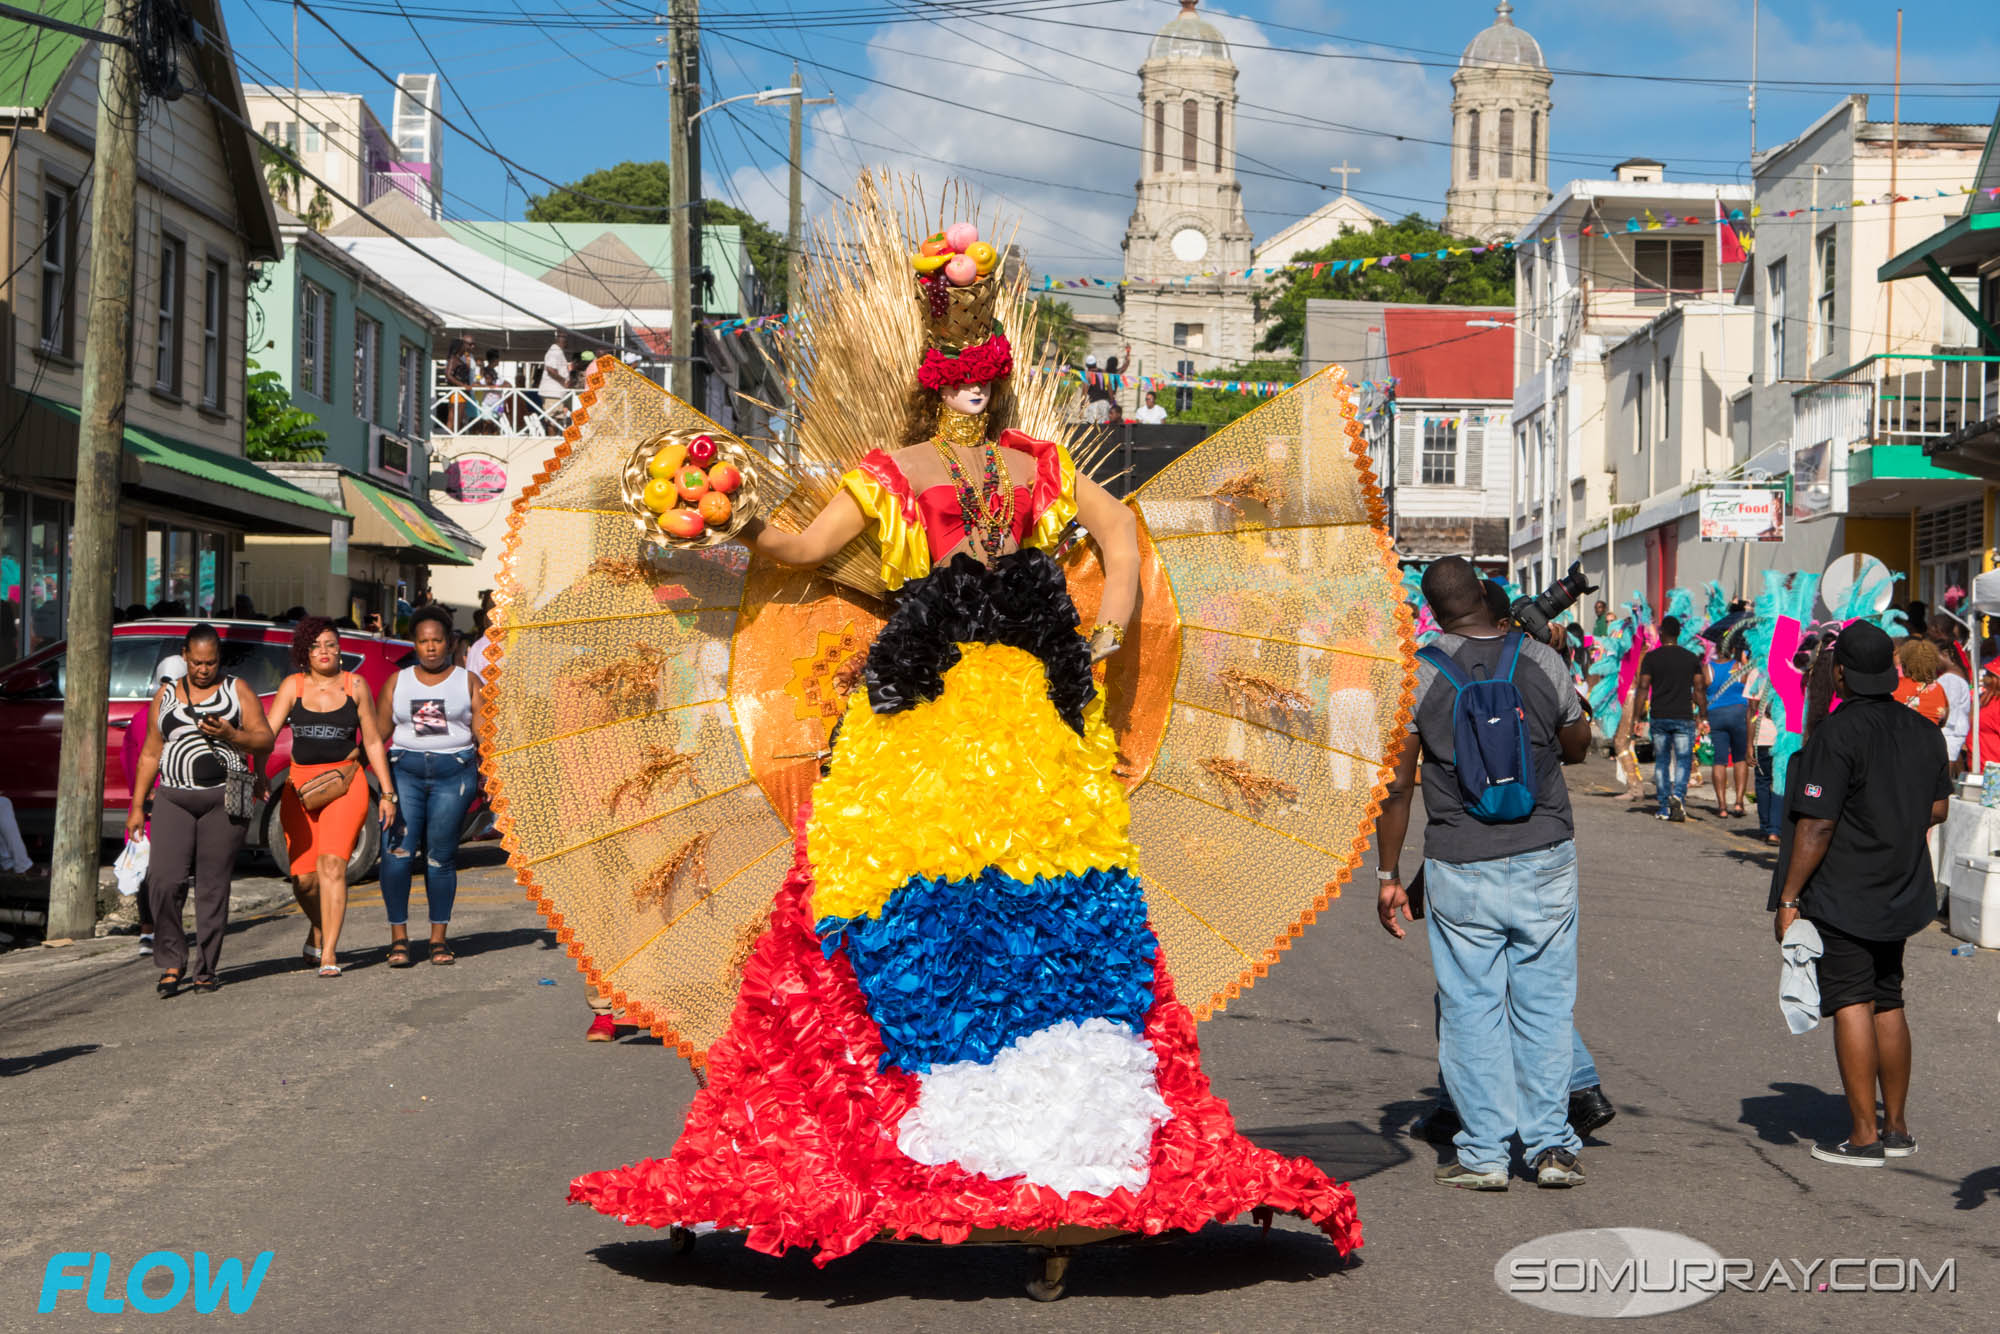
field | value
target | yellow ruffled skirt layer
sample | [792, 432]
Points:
[986, 775]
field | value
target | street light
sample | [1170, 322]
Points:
[1549, 559]
[763, 99]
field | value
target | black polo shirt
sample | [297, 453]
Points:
[1874, 768]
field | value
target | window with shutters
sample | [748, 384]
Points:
[1440, 461]
[1407, 438]
[1949, 530]
[1505, 146]
[1475, 451]
[1472, 145]
[1534, 146]
[1159, 136]
[1774, 335]
[167, 316]
[1190, 132]
[1639, 404]
[1828, 261]
[1218, 136]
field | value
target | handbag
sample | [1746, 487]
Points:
[329, 785]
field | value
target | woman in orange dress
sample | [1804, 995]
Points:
[333, 725]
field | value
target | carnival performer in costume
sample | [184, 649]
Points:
[958, 1019]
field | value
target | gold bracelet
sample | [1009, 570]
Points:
[1117, 632]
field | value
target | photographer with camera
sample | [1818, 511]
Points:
[1497, 719]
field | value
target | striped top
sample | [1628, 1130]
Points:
[188, 758]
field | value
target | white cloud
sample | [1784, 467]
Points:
[1087, 85]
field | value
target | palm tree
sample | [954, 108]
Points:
[283, 176]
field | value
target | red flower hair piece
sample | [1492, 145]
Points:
[982, 363]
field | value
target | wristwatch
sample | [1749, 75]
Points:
[1792, 904]
[1386, 877]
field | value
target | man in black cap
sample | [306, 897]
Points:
[1870, 782]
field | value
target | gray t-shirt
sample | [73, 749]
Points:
[1551, 701]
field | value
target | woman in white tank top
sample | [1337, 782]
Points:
[427, 709]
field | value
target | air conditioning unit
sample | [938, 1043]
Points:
[390, 454]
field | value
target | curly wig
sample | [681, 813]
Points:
[920, 412]
[303, 635]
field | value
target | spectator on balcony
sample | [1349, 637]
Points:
[456, 411]
[555, 375]
[492, 398]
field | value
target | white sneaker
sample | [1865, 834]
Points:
[145, 942]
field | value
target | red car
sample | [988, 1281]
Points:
[31, 705]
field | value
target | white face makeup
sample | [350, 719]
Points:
[970, 399]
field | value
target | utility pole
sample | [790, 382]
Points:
[795, 230]
[684, 60]
[107, 368]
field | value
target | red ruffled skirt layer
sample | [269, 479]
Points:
[794, 1139]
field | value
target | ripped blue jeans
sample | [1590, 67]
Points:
[433, 791]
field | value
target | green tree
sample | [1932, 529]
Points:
[276, 430]
[282, 177]
[1461, 280]
[640, 192]
[1219, 407]
[1063, 339]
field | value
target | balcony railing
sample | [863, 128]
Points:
[1898, 398]
[498, 410]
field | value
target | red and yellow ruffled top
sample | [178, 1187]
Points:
[912, 524]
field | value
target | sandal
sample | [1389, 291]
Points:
[399, 954]
[309, 951]
[169, 983]
[441, 953]
[329, 970]
[1738, 812]
[206, 985]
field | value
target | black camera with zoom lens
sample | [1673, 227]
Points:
[1533, 614]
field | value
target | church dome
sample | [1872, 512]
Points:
[1501, 44]
[1188, 37]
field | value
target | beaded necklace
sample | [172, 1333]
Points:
[988, 509]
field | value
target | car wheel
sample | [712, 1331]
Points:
[367, 847]
[271, 835]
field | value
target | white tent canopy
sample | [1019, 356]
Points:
[537, 308]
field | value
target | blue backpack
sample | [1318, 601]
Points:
[1489, 737]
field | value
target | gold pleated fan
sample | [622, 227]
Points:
[657, 713]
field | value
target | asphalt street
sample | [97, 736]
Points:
[401, 1140]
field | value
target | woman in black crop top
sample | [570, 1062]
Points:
[330, 734]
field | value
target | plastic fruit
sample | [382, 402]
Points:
[692, 484]
[961, 271]
[960, 235]
[725, 478]
[683, 523]
[658, 495]
[666, 461]
[928, 263]
[701, 451]
[984, 255]
[935, 245]
[716, 508]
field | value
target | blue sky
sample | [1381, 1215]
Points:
[565, 98]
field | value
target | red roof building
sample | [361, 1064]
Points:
[1434, 353]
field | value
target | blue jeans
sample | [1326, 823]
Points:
[1769, 805]
[1673, 757]
[1503, 945]
[433, 791]
[1582, 1070]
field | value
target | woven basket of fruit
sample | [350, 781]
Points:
[690, 488]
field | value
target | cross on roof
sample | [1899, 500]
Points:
[1344, 171]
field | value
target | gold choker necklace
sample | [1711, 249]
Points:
[957, 428]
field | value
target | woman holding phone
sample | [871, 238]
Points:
[206, 736]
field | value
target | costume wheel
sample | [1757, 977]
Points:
[681, 1240]
[1046, 1274]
